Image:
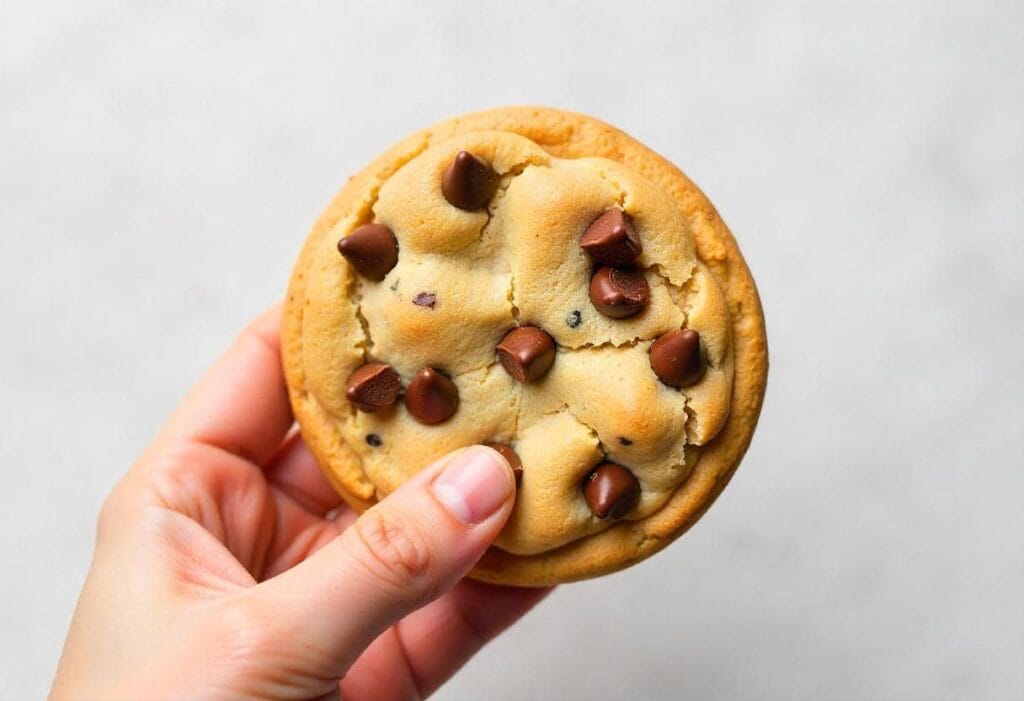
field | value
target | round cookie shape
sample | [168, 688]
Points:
[490, 319]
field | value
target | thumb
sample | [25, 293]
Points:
[402, 553]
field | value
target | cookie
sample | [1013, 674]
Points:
[539, 281]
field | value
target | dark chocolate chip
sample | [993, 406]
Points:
[425, 299]
[678, 359]
[468, 182]
[611, 491]
[374, 440]
[513, 459]
[574, 319]
[611, 239]
[526, 353]
[371, 249]
[431, 397]
[625, 441]
[619, 293]
[373, 386]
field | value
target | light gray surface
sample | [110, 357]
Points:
[159, 168]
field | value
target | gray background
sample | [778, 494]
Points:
[160, 166]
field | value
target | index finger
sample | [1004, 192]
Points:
[440, 637]
[241, 404]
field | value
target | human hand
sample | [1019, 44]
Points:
[227, 567]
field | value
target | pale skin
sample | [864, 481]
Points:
[226, 567]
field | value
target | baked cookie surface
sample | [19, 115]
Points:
[538, 280]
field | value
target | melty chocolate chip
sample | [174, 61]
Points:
[373, 386]
[611, 491]
[510, 455]
[619, 293]
[371, 249]
[526, 353]
[678, 359]
[468, 182]
[431, 397]
[611, 239]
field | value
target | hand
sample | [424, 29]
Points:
[227, 567]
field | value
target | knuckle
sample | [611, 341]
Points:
[260, 336]
[390, 547]
[247, 642]
[246, 632]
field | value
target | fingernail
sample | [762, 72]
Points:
[474, 485]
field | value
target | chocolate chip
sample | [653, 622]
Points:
[625, 441]
[573, 320]
[611, 239]
[468, 182]
[678, 359]
[431, 397]
[374, 440]
[526, 353]
[619, 293]
[611, 491]
[373, 386]
[513, 459]
[425, 299]
[394, 285]
[371, 249]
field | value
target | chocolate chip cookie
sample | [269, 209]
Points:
[537, 281]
